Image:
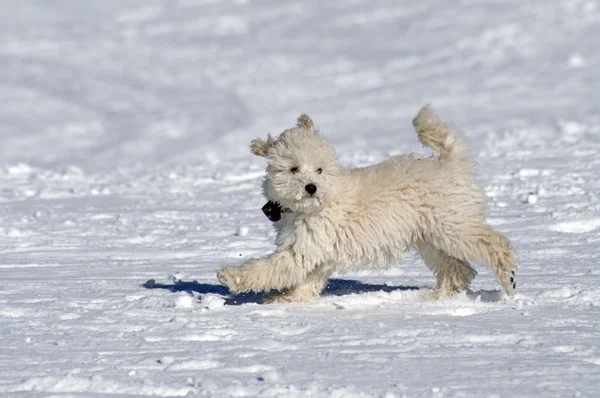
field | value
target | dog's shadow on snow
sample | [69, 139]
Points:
[335, 287]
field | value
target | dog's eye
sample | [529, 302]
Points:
[319, 170]
[294, 170]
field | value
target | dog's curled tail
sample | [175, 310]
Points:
[439, 136]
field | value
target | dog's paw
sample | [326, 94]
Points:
[444, 293]
[233, 278]
[428, 294]
[508, 281]
[288, 296]
[272, 299]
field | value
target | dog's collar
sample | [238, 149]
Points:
[273, 210]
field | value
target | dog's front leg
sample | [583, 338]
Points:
[279, 270]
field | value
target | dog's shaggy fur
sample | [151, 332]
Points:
[369, 216]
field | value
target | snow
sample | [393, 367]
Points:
[126, 181]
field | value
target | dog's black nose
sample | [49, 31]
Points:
[311, 188]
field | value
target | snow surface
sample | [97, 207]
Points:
[126, 181]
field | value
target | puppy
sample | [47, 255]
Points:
[333, 219]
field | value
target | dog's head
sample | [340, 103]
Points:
[303, 168]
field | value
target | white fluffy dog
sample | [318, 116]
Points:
[335, 219]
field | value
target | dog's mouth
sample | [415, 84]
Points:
[273, 211]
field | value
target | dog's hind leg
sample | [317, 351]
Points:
[480, 243]
[309, 290]
[452, 274]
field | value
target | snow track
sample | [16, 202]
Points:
[126, 181]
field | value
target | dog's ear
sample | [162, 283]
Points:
[260, 147]
[306, 122]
